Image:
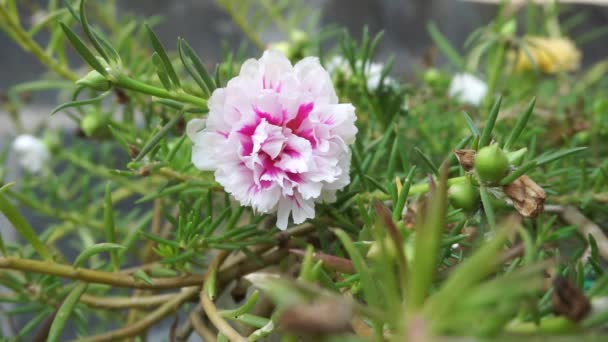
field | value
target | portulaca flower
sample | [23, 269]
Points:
[32, 154]
[467, 88]
[276, 137]
[373, 72]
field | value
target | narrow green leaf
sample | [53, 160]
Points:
[200, 68]
[160, 240]
[143, 276]
[471, 124]
[520, 125]
[64, 312]
[211, 284]
[370, 289]
[427, 244]
[160, 50]
[87, 31]
[376, 184]
[519, 172]
[427, 161]
[161, 71]
[156, 138]
[487, 206]
[82, 50]
[3, 246]
[558, 155]
[23, 228]
[486, 135]
[468, 274]
[189, 65]
[444, 45]
[405, 190]
[246, 307]
[94, 250]
[80, 103]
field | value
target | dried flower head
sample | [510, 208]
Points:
[276, 137]
[549, 55]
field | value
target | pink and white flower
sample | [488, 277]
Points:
[276, 137]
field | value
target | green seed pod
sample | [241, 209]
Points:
[95, 80]
[491, 163]
[464, 196]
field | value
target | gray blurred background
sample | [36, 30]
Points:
[206, 26]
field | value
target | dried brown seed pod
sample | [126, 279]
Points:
[527, 196]
[326, 316]
[569, 301]
[466, 158]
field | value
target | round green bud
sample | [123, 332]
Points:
[281, 46]
[491, 163]
[298, 37]
[94, 124]
[52, 140]
[464, 196]
[431, 76]
[95, 80]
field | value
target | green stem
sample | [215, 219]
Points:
[126, 82]
[99, 277]
[28, 44]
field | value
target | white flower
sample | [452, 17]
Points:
[276, 137]
[373, 72]
[32, 154]
[467, 88]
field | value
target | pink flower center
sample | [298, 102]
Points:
[277, 146]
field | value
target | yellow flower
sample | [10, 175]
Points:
[549, 55]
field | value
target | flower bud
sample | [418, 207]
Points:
[464, 196]
[491, 163]
[298, 37]
[375, 251]
[52, 140]
[94, 124]
[281, 46]
[95, 80]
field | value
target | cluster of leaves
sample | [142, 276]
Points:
[127, 211]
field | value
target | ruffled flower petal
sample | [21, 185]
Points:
[277, 138]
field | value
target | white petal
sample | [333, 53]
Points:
[205, 150]
[316, 80]
[194, 127]
[468, 89]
